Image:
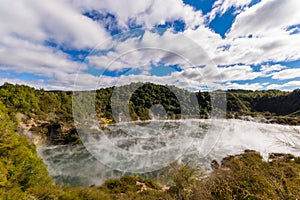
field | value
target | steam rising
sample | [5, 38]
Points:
[173, 140]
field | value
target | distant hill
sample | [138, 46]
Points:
[276, 105]
[50, 112]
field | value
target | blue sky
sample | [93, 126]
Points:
[193, 44]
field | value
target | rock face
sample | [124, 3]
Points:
[35, 138]
[214, 164]
[41, 132]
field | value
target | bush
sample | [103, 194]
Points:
[127, 184]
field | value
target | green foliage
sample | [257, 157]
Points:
[44, 107]
[20, 167]
[247, 176]
[49, 108]
[129, 184]
[244, 176]
[264, 101]
[149, 94]
[183, 179]
[68, 193]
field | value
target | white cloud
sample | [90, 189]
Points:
[169, 48]
[76, 81]
[268, 18]
[19, 18]
[266, 69]
[238, 72]
[221, 6]
[25, 26]
[206, 39]
[70, 82]
[213, 77]
[26, 57]
[286, 86]
[259, 50]
[247, 86]
[142, 12]
[258, 35]
[38, 84]
[286, 74]
[52, 20]
[196, 78]
[220, 74]
[292, 84]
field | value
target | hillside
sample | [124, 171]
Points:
[275, 105]
[49, 113]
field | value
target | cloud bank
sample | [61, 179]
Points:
[54, 44]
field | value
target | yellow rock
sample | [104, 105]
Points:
[106, 121]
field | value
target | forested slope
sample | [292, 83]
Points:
[49, 113]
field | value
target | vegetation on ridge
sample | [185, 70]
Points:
[244, 176]
[49, 113]
[24, 176]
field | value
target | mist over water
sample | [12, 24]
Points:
[155, 144]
